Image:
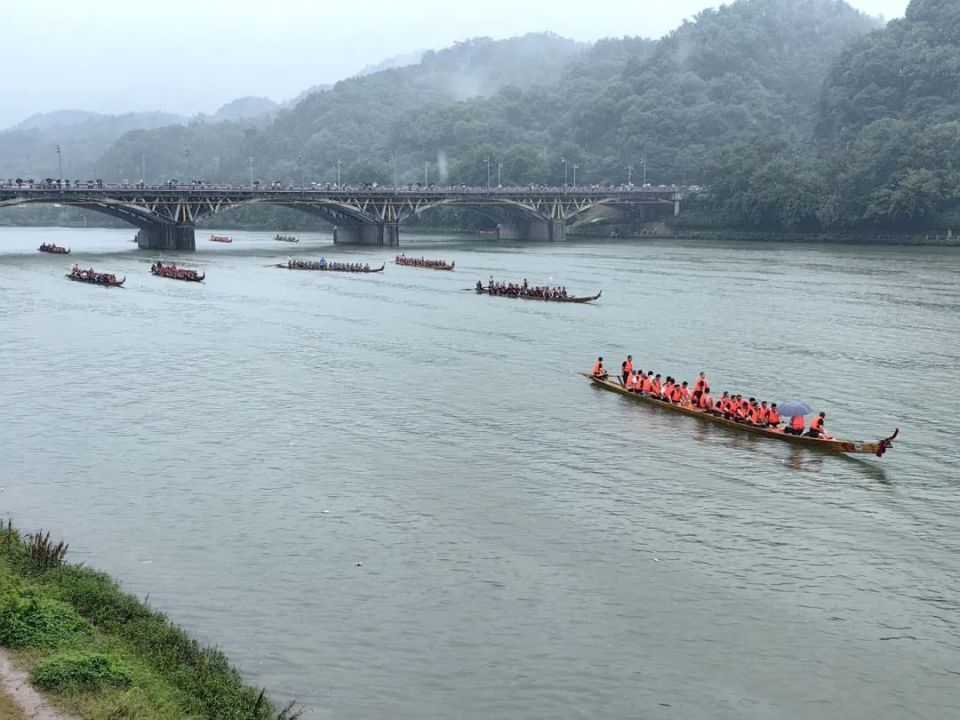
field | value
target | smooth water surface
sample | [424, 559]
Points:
[391, 498]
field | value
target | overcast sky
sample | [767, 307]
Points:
[190, 56]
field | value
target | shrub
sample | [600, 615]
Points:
[44, 553]
[96, 596]
[80, 671]
[32, 621]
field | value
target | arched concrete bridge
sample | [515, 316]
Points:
[167, 216]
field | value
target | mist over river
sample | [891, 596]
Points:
[392, 498]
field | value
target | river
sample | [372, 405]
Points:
[391, 498]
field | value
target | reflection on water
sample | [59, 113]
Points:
[528, 546]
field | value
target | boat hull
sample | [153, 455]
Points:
[425, 267]
[842, 446]
[198, 278]
[371, 270]
[584, 299]
[118, 283]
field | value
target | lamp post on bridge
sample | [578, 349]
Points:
[60, 164]
[499, 173]
[395, 172]
[575, 166]
[564, 161]
[426, 173]
[488, 173]
[338, 174]
[300, 163]
[250, 163]
[629, 175]
[643, 162]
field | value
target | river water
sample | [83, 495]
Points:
[390, 498]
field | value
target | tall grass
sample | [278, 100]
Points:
[206, 684]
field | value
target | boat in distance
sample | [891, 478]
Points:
[221, 238]
[54, 249]
[877, 448]
[286, 238]
[425, 263]
[92, 281]
[329, 268]
[175, 273]
[539, 298]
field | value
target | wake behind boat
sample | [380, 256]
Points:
[54, 249]
[324, 265]
[94, 278]
[525, 291]
[425, 263]
[741, 421]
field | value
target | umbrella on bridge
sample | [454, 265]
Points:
[794, 408]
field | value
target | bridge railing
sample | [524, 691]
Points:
[513, 191]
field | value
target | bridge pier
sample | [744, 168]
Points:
[381, 234]
[167, 237]
[549, 230]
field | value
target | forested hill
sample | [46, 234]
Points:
[886, 156]
[795, 114]
[750, 68]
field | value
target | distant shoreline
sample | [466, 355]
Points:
[932, 239]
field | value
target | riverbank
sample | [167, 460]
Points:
[95, 652]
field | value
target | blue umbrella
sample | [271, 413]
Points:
[794, 407]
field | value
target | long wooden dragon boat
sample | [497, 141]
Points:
[91, 281]
[327, 268]
[878, 447]
[583, 299]
[196, 277]
[438, 264]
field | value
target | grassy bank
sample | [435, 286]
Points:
[100, 653]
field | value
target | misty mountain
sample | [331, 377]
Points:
[411, 58]
[244, 108]
[29, 149]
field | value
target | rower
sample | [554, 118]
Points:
[706, 401]
[598, 371]
[773, 417]
[631, 381]
[627, 367]
[816, 427]
[796, 426]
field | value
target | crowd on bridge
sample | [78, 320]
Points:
[93, 276]
[522, 290]
[424, 262]
[324, 264]
[732, 406]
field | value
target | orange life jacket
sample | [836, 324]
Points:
[655, 387]
[706, 402]
[773, 417]
[796, 422]
[817, 424]
[629, 367]
[631, 381]
[598, 368]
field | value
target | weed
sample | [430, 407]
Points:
[31, 620]
[80, 671]
[44, 553]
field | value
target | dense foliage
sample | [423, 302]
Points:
[794, 114]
